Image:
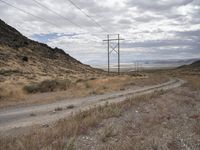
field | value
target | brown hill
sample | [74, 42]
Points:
[196, 64]
[25, 62]
[24, 55]
[191, 69]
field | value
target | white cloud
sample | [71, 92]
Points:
[138, 21]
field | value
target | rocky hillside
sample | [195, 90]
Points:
[192, 69]
[196, 64]
[22, 56]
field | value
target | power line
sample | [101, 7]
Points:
[28, 13]
[68, 20]
[41, 18]
[75, 5]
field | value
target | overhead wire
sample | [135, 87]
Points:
[91, 18]
[41, 18]
[26, 12]
[61, 16]
[65, 18]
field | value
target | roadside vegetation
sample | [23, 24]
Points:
[49, 90]
[160, 120]
[62, 135]
[48, 86]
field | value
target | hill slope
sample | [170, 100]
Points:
[192, 69]
[196, 64]
[24, 62]
[27, 56]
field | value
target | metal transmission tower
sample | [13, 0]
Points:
[117, 46]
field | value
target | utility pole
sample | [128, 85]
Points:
[118, 55]
[108, 54]
[113, 49]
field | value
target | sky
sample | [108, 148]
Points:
[152, 29]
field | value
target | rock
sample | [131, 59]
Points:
[58, 109]
[45, 125]
[70, 106]
[33, 115]
[25, 59]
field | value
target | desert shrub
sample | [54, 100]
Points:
[79, 80]
[33, 88]
[25, 59]
[93, 78]
[107, 133]
[51, 85]
[8, 72]
[48, 86]
[87, 85]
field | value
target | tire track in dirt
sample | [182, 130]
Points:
[47, 113]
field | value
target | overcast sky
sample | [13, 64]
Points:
[153, 29]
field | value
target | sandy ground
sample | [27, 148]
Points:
[17, 117]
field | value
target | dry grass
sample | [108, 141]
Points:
[197, 127]
[193, 82]
[60, 135]
[107, 133]
[66, 85]
[66, 88]
[48, 86]
[6, 94]
[176, 117]
[71, 144]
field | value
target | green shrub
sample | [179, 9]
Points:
[8, 72]
[87, 85]
[31, 88]
[48, 86]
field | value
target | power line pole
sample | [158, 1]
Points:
[108, 54]
[113, 49]
[118, 55]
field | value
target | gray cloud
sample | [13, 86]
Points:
[125, 21]
[158, 5]
[146, 18]
[157, 28]
[163, 43]
[193, 34]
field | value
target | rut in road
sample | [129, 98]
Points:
[48, 113]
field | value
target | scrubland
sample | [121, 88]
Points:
[162, 120]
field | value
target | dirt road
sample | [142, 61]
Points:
[19, 117]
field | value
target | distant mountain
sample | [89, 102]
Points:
[22, 56]
[196, 64]
[191, 69]
[168, 61]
